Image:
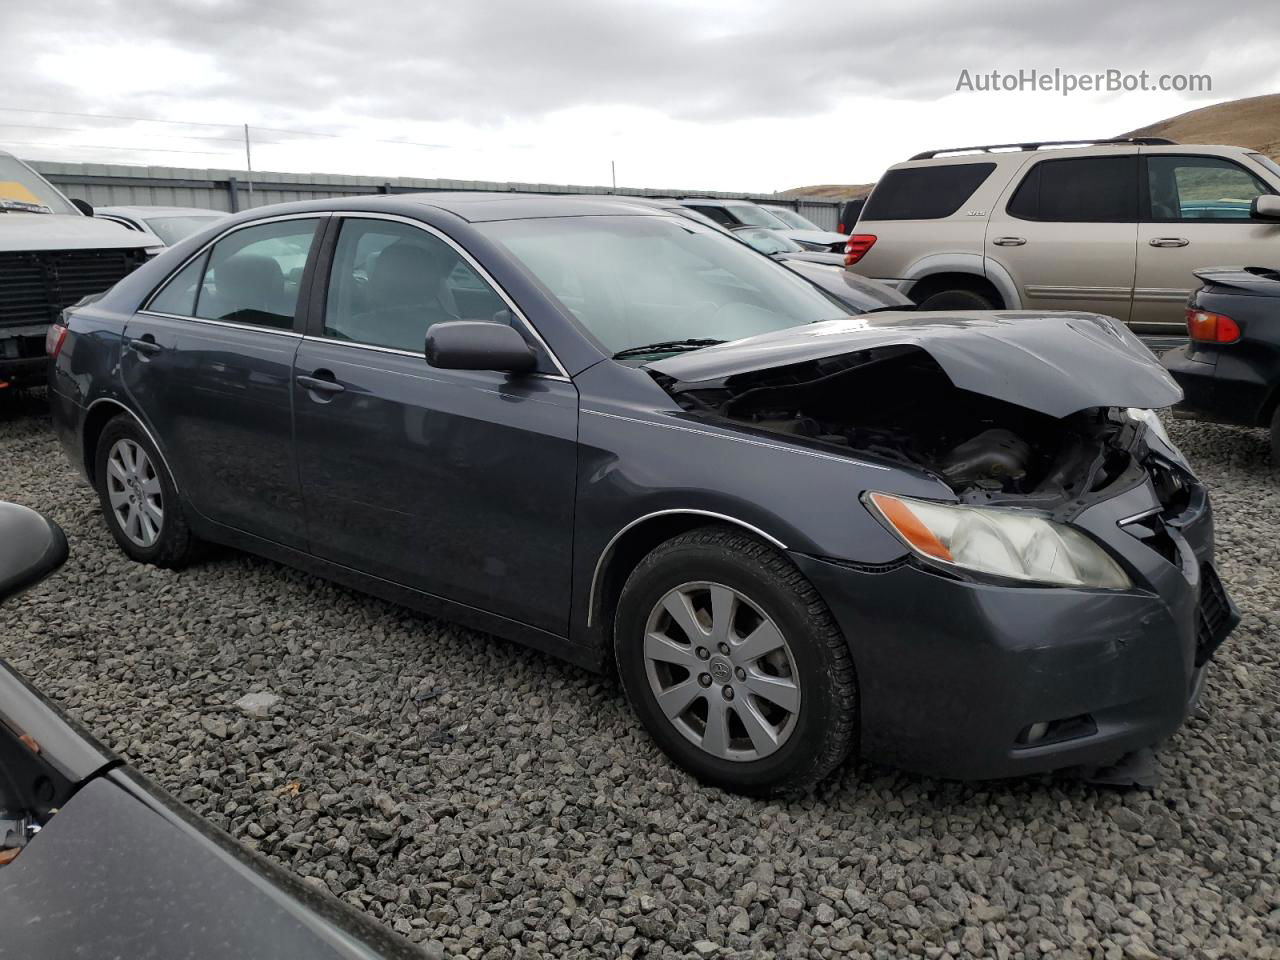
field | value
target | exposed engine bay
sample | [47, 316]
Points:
[896, 403]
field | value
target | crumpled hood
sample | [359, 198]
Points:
[61, 231]
[1053, 363]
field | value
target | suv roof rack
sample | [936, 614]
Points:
[992, 147]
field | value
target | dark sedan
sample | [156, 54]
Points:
[958, 542]
[1230, 369]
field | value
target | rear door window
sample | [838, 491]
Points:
[1079, 190]
[255, 274]
[925, 193]
[1200, 188]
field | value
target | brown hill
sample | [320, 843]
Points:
[1253, 122]
[829, 191]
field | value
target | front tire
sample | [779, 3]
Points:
[735, 665]
[139, 499]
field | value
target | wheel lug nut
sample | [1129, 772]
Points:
[727, 693]
[704, 679]
[703, 653]
[724, 648]
[740, 673]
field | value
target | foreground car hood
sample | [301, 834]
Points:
[1053, 363]
[60, 231]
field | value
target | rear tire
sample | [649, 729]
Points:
[957, 298]
[789, 716]
[140, 501]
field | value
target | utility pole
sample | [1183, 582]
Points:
[248, 162]
[613, 172]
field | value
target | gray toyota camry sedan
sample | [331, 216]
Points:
[959, 543]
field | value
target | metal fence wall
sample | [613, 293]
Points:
[113, 184]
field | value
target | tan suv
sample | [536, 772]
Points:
[1113, 227]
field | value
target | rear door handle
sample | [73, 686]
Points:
[320, 384]
[1009, 241]
[1169, 241]
[145, 346]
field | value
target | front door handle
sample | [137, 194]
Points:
[320, 384]
[1009, 241]
[146, 346]
[1169, 241]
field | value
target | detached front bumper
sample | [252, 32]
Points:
[973, 681]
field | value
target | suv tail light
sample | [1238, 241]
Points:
[53, 339]
[1209, 327]
[857, 247]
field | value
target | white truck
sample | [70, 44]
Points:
[53, 252]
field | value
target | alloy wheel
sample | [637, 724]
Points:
[721, 671]
[134, 491]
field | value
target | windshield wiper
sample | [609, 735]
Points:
[667, 346]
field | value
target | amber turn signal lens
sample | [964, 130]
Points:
[910, 527]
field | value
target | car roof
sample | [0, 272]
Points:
[718, 201]
[473, 207]
[158, 211]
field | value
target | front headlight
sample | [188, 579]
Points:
[1005, 543]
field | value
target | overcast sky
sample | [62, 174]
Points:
[755, 95]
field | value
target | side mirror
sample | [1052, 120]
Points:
[1265, 207]
[84, 206]
[478, 345]
[31, 547]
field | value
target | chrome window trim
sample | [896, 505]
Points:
[159, 449]
[416, 356]
[146, 304]
[221, 323]
[608, 547]
[472, 262]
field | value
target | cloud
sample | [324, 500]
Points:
[492, 61]
[703, 92]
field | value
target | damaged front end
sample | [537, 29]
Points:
[1018, 410]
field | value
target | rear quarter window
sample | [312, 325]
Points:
[925, 193]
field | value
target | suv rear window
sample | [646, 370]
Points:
[925, 193]
[1079, 190]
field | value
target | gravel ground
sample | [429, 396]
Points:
[478, 796]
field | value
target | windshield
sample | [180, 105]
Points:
[793, 219]
[22, 190]
[766, 241]
[173, 229]
[754, 216]
[634, 281]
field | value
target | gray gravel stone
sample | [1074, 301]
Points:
[494, 802]
[257, 704]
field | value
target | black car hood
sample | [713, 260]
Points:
[1259, 281]
[1054, 363]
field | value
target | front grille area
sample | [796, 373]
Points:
[1216, 618]
[35, 287]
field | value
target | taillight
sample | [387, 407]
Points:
[1209, 327]
[54, 338]
[857, 247]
